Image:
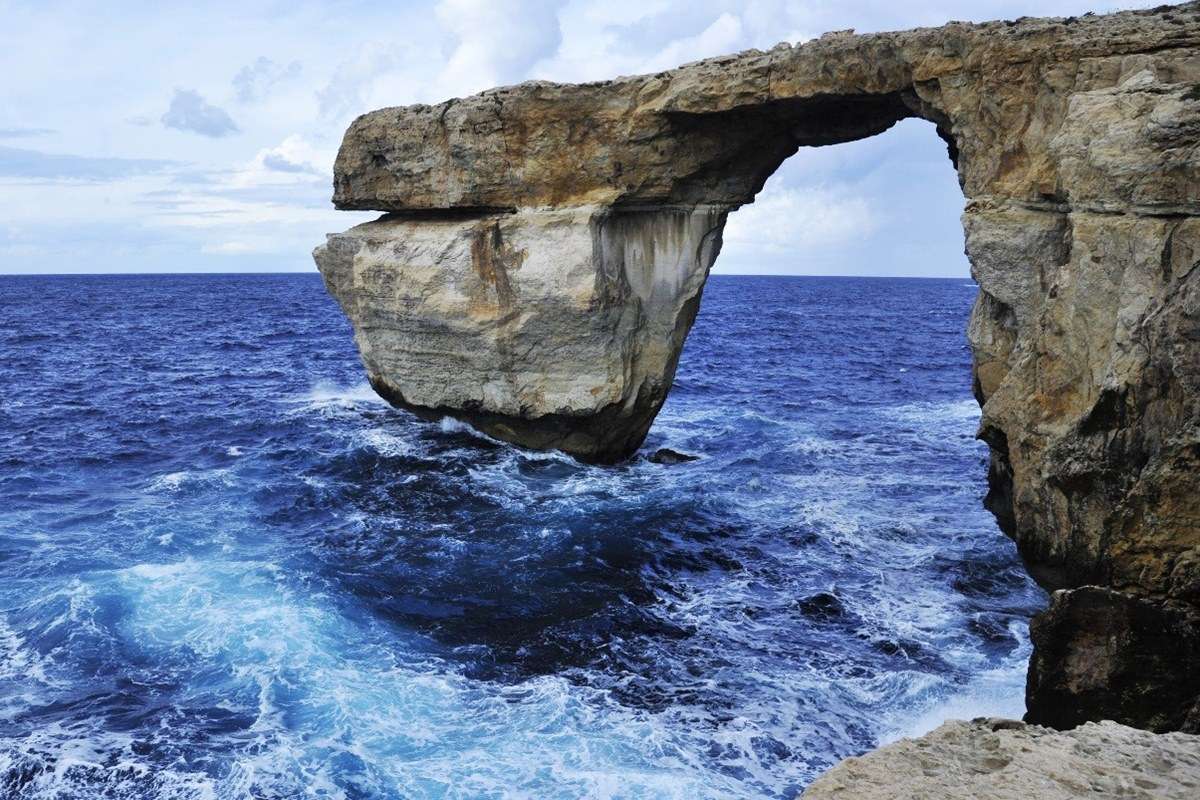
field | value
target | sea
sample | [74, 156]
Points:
[229, 570]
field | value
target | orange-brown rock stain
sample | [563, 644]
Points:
[492, 259]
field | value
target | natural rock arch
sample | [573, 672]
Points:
[546, 245]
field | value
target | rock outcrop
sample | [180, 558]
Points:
[546, 245]
[1100, 654]
[1000, 759]
[552, 327]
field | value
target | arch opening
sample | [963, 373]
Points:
[885, 204]
[850, 401]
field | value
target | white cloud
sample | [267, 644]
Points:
[723, 35]
[246, 247]
[480, 44]
[343, 92]
[191, 112]
[233, 248]
[496, 41]
[23, 133]
[36, 165]
[784, 219]
[255, 81]
[294, 155]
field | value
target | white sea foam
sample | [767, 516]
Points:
[958, 413]
[416, 729]
[186, 479]
[998, 692]
[16, 660]
[452, 425]
[389, 442]
[169, 482]
[83, 761]
[327, 393]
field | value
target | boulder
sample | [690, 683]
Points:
[1101, 654]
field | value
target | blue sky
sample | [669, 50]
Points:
[186, 137]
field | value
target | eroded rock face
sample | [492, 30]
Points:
[547, 245]
[1101, 654]
[553, 328]
[1000, 759]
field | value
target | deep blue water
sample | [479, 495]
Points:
[228, 570]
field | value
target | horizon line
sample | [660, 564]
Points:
[316, 273]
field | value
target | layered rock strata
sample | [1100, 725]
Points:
[546, 245]
[553, 328]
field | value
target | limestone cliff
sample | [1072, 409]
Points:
[546, 246]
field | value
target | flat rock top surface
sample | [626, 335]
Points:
[998, 759]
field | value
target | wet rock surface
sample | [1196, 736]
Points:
[665, 455]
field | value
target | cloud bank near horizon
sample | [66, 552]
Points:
[183, 138]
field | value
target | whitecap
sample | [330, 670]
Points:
[960, 413]
[328, 393]
[998, 692]
[169, 482]
[177, 481]
[452, 425]
[388, 443]
[16, 660]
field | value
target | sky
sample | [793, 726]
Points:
[200, 137]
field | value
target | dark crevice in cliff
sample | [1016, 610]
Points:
[1108, 414]
[999, 497]
[450, 213]
[1166, 259]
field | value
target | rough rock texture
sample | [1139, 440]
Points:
[555, 328]
[1100, 654]
[1001, 759]
[547, 246]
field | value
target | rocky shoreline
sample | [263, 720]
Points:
[998, 759]
[545, 247]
